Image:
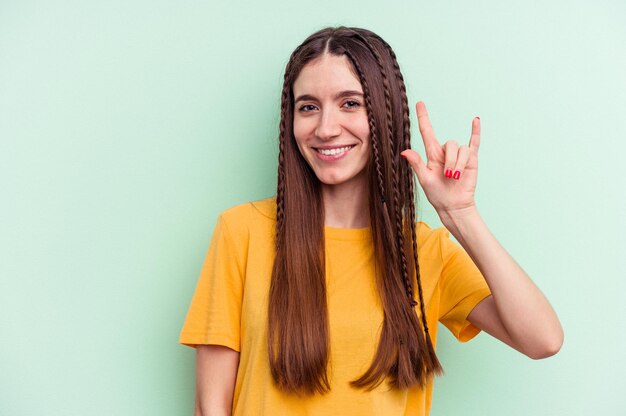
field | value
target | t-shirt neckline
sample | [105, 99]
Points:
[335, 233]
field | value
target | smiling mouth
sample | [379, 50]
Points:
[335, 151]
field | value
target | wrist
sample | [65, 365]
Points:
[453, 218]
[465, 224]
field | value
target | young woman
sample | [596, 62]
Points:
[324, 300]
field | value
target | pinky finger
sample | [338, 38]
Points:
[475, 137]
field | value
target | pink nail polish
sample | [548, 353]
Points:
[457, 174]
[448, 173]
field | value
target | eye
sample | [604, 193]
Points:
[306, 108]
[352, 104]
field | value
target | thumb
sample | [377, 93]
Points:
[415, 161]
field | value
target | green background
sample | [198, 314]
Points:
[127, 126]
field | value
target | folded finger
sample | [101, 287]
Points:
[451, 149]
[461, 161]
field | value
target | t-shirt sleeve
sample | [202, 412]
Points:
[214, 316]
[462, 288]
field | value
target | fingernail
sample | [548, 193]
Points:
[457, 174]
[448, 173]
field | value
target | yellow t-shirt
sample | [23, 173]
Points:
[229, 307]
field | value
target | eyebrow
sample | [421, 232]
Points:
[340, 94]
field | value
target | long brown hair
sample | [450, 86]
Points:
[298, 333]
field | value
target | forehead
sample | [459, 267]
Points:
[325, 75]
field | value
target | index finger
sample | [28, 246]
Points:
[426, 129]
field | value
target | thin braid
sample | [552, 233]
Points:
[400, 234]
[280, 191]
[372, 125]
[280, 188]
[395, 173]
[407, 145]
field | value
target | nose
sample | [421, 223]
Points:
[329, 125]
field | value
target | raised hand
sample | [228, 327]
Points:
[450, 173]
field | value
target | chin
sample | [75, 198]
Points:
[341, 175]
[334, 179]
[326, 181]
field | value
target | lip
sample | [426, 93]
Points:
[333, 157]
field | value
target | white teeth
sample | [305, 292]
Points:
[333, 152]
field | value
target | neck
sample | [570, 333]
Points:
[346, 206]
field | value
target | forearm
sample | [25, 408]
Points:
[216, 372]
[210, 412]
[524, 311]
[204, 408]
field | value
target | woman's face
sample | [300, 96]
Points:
[330, 121]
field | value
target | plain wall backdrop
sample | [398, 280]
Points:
[126, 127]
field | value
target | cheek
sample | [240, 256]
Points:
[364, 128]
[364, 132]
[300, 131]
[299, 136]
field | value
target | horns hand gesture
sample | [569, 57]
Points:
[450, 173]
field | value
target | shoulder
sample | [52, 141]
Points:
[263, 208]
[431, 240]
[241, 218]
